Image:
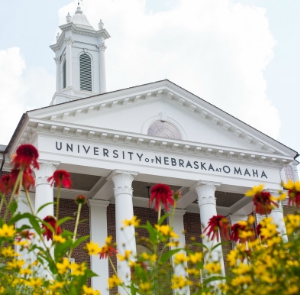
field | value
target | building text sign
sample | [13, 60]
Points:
[154, 159]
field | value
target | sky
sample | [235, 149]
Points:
[240, 55]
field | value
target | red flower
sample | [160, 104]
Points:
[247, 254]
[106, 251]
[5, 186]
[161, 194]
[27, 178]
[25, 234]
[294, 198]
[263, 202]
[216, 223]
[80, 200]
[48, 233]
[26, 155]
[237, 230]
[61, 178]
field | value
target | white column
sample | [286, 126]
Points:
[69, 60]
[178, 228]
[102, 74]
[278, 218]
[98, 231]
[207, 207]
[43, 189]
[57, 61]
[23, 207]
[124, 210]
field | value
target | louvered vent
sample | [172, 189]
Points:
[85, 72]
[64, 75]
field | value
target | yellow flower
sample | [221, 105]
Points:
[90, 291]
[126, 255]
[108, 240]
[254, 190]
[56, 286]
[196, 257]
[145, 286]
[193, 271]
[15, 264]
[34, 282]
[179, 282]
[241, 269]
[64, 266]
[58, 239]
[93, 248]
[146, 256]
[134, 221]
[293, 290]
[251, 219]
[241, 280]
[9, 252]
[78, 269]
[7, 231]
[180, 258]
[166, 231]
[25, 271]
[23, 243]
[213, 267]
[114, 281]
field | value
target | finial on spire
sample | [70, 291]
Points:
[101, 25]
[69, 18]
[79, 8]
[57, 36]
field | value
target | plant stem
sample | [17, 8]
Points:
[159, 213]
[19, 179]
[57, 201]
[114, 269]
[76, 227]
[29, 201]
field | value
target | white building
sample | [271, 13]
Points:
[117, 144]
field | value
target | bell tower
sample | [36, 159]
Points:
[80, 59]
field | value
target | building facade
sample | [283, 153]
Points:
[118, 144]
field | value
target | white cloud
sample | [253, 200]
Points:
[213, 48]
[21, 89]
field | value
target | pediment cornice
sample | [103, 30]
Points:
[36, 127]
[172, 94]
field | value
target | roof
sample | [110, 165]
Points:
[80, 20]
[132, 87]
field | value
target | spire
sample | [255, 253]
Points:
[100, 25]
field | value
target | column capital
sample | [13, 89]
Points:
[97, 203]
[200, 183]
[179, 212]
[69, 41]
[206, 192]
[122, 181]
[57, 60]
[101, 46]
[46, 170]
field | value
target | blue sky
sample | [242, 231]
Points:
[273, 32]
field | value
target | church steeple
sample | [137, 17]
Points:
[80, 59]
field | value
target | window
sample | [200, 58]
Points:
[164, 129]
[64, 75]
[289, 172]
[85, 72]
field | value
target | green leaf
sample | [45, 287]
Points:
[34, 222]
[199, 245]
[13, 208]
[61, 249]
[213, 278]
[63, 220]
[44, 205]
[82, 220]
[219, 244]
[161, 220]
[90, 273]
[79, 241]
[166, 256]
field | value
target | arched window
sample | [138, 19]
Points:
[64, 74]
[85, 72]
[164, 129]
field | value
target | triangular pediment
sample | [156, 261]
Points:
[203, 127]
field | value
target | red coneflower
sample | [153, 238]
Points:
[216, 223]
[26, 156]
[80, 200]
[27, 178]
[25, 234]
[293, 192]
[107, 249]
[61, 178]
[5, 186]
[48, 233]
[161, 194]
[241, 232]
